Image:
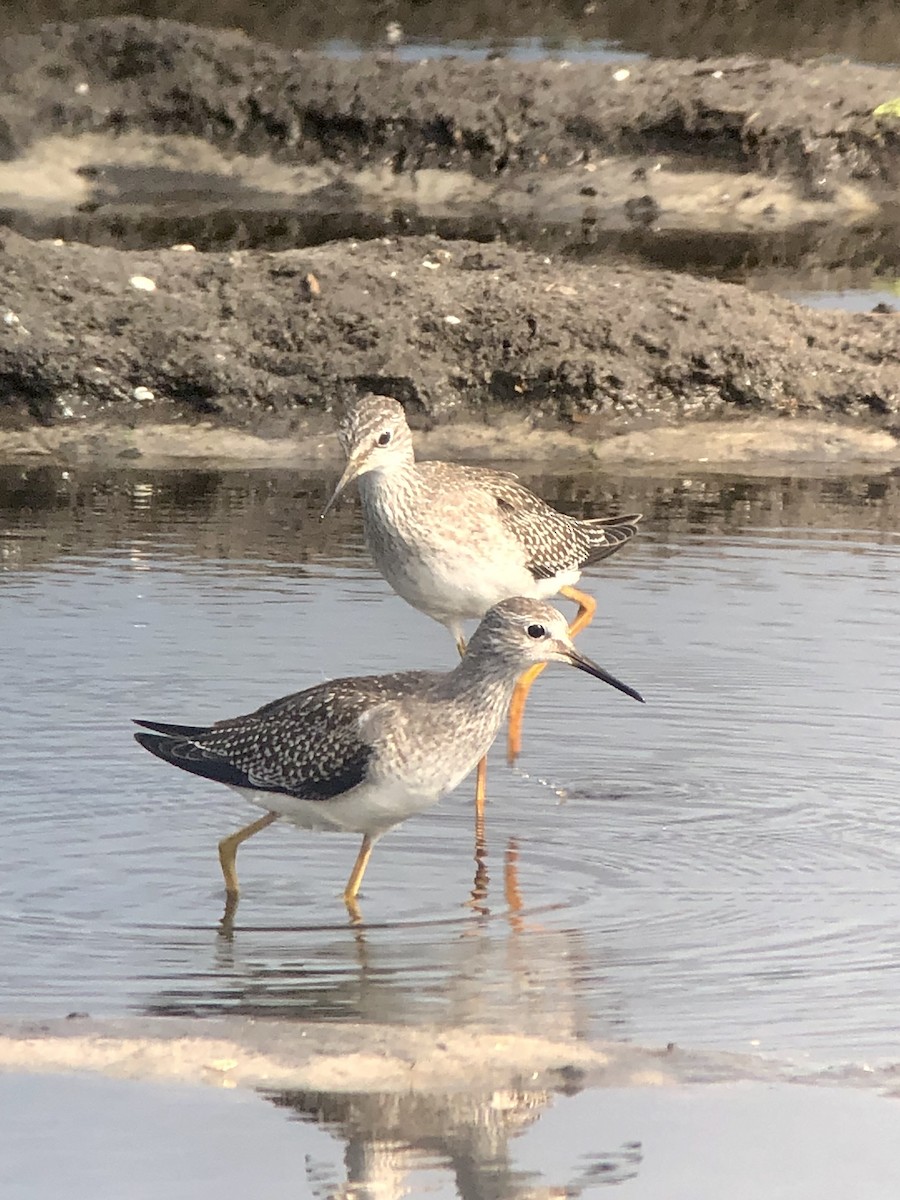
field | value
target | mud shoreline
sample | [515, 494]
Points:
[801, 120]
[370, 1056]
[109, 352]
[267, 344]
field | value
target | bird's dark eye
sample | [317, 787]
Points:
[536, 631]
[384, 438]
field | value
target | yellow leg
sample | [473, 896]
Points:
[587, 606]
[359, 869]
[226, 925]
[517, 711]
[228, 850]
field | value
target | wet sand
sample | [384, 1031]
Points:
[761, 446]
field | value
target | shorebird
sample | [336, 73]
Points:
[362, 754]
[454, 540]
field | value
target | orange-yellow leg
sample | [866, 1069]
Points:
[587, 606]
[356, 875]
[228, 851]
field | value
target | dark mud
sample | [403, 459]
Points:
[813, 122]
[139, 134]
[258, 342]
[863, 30]
[105, 126]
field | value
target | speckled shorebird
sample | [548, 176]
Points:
[453, 540]
[363, 754]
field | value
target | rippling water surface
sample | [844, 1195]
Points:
[717, 868]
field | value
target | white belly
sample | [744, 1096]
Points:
[463, 588]
[464, 585]
[365, 809]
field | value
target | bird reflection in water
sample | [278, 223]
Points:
[478, 895]
[501, 975]
[393, 1137]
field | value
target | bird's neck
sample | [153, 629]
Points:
[482, 682]
[387, 485]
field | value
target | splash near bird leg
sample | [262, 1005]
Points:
[587, 606]
[228, 850]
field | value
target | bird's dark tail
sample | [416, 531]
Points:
[157, 744]
[171, 730]
[180, 751]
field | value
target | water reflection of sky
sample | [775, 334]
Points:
[114, 1138]
[858, 301]
[530, 49]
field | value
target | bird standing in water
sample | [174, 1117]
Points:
[362, 754]
[453, 540]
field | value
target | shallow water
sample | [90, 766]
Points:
[850, 300]
[717, 868]
[522, 49]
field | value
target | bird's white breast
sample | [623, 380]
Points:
[369, 808]
[449, 559]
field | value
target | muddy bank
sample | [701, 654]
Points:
[865, 30]
[267, 343]
[118, 137]
[808, 120]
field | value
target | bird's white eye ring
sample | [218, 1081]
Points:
[384, 438]
[536, 631]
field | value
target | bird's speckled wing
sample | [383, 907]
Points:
[553, 542]
[306, 745]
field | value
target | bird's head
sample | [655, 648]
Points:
[374, 436]
[526, 632]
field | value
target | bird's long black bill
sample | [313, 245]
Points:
[591, 668]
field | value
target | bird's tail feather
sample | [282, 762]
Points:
[613, 533]
[181, 752]
[172, 730]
